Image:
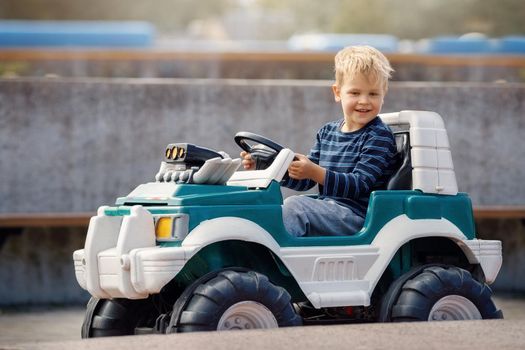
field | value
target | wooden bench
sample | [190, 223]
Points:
[253, 56]
[12, 220]
[499, 212]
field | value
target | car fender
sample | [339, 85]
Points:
[401, 230]
[224, 229]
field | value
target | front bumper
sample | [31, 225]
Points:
[121, 260]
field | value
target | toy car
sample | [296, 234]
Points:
[204, 247]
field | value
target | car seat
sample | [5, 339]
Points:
[402, 177]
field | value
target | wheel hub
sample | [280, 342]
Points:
[454, 307]
[247, 315]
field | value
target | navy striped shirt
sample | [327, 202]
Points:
[356, 163]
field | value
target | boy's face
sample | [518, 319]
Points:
[361, 100]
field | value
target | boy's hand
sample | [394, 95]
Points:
[304, 168]
[247, 162]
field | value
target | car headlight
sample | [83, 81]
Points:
[171, 227]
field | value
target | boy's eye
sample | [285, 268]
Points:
[354, 93]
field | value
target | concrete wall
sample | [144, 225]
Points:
[36, 266]
[73, 145]
[511, 232]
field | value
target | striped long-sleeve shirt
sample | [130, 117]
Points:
[356, 163]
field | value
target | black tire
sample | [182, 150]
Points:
[115, 317]
[421, 293]
[211, 299]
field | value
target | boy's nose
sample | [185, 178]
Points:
[363, 99]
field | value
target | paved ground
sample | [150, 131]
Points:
[40, 325]
[60, 329]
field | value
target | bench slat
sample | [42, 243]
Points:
[58, 54]
[45, 219]
[499, 212]
[82, 219]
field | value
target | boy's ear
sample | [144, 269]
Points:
[337, 93]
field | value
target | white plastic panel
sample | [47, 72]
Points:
[263, 178]
[137, 231]
[236, 163]
[334, 269]
[352, 293]
[444, 157]
[154, 189]
[331, 276]
[303, 260]
[433, 170]
[442, 139]
[217, 178]
[109, 241]
[216, 171]
[420, 137]
[424, 157]
[152, 268]
[80, 269]
[488, 254]
[425, 180]
[390, 118]
[208, 169]
[102, 234]
[447, 182]
[421, 119]
[108, 262]
[109, 267]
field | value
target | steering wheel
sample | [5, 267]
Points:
[262, 149]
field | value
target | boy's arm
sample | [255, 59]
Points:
[304, 168]
[304, 183]
[376, 157]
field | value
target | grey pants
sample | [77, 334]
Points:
[307, 216]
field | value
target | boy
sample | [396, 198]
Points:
[351, 157]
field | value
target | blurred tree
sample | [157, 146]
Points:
[406, 18]
[167, 15]
[498, 17]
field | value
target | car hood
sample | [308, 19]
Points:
[168, 193]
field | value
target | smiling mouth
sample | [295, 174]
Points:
[363, 110]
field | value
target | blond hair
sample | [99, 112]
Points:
[362, 59]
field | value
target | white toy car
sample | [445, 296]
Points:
[204, 247]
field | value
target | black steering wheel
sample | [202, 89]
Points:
[262, 149]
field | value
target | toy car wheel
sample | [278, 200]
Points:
[444, 294]
[115, 317]
[237, 300]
